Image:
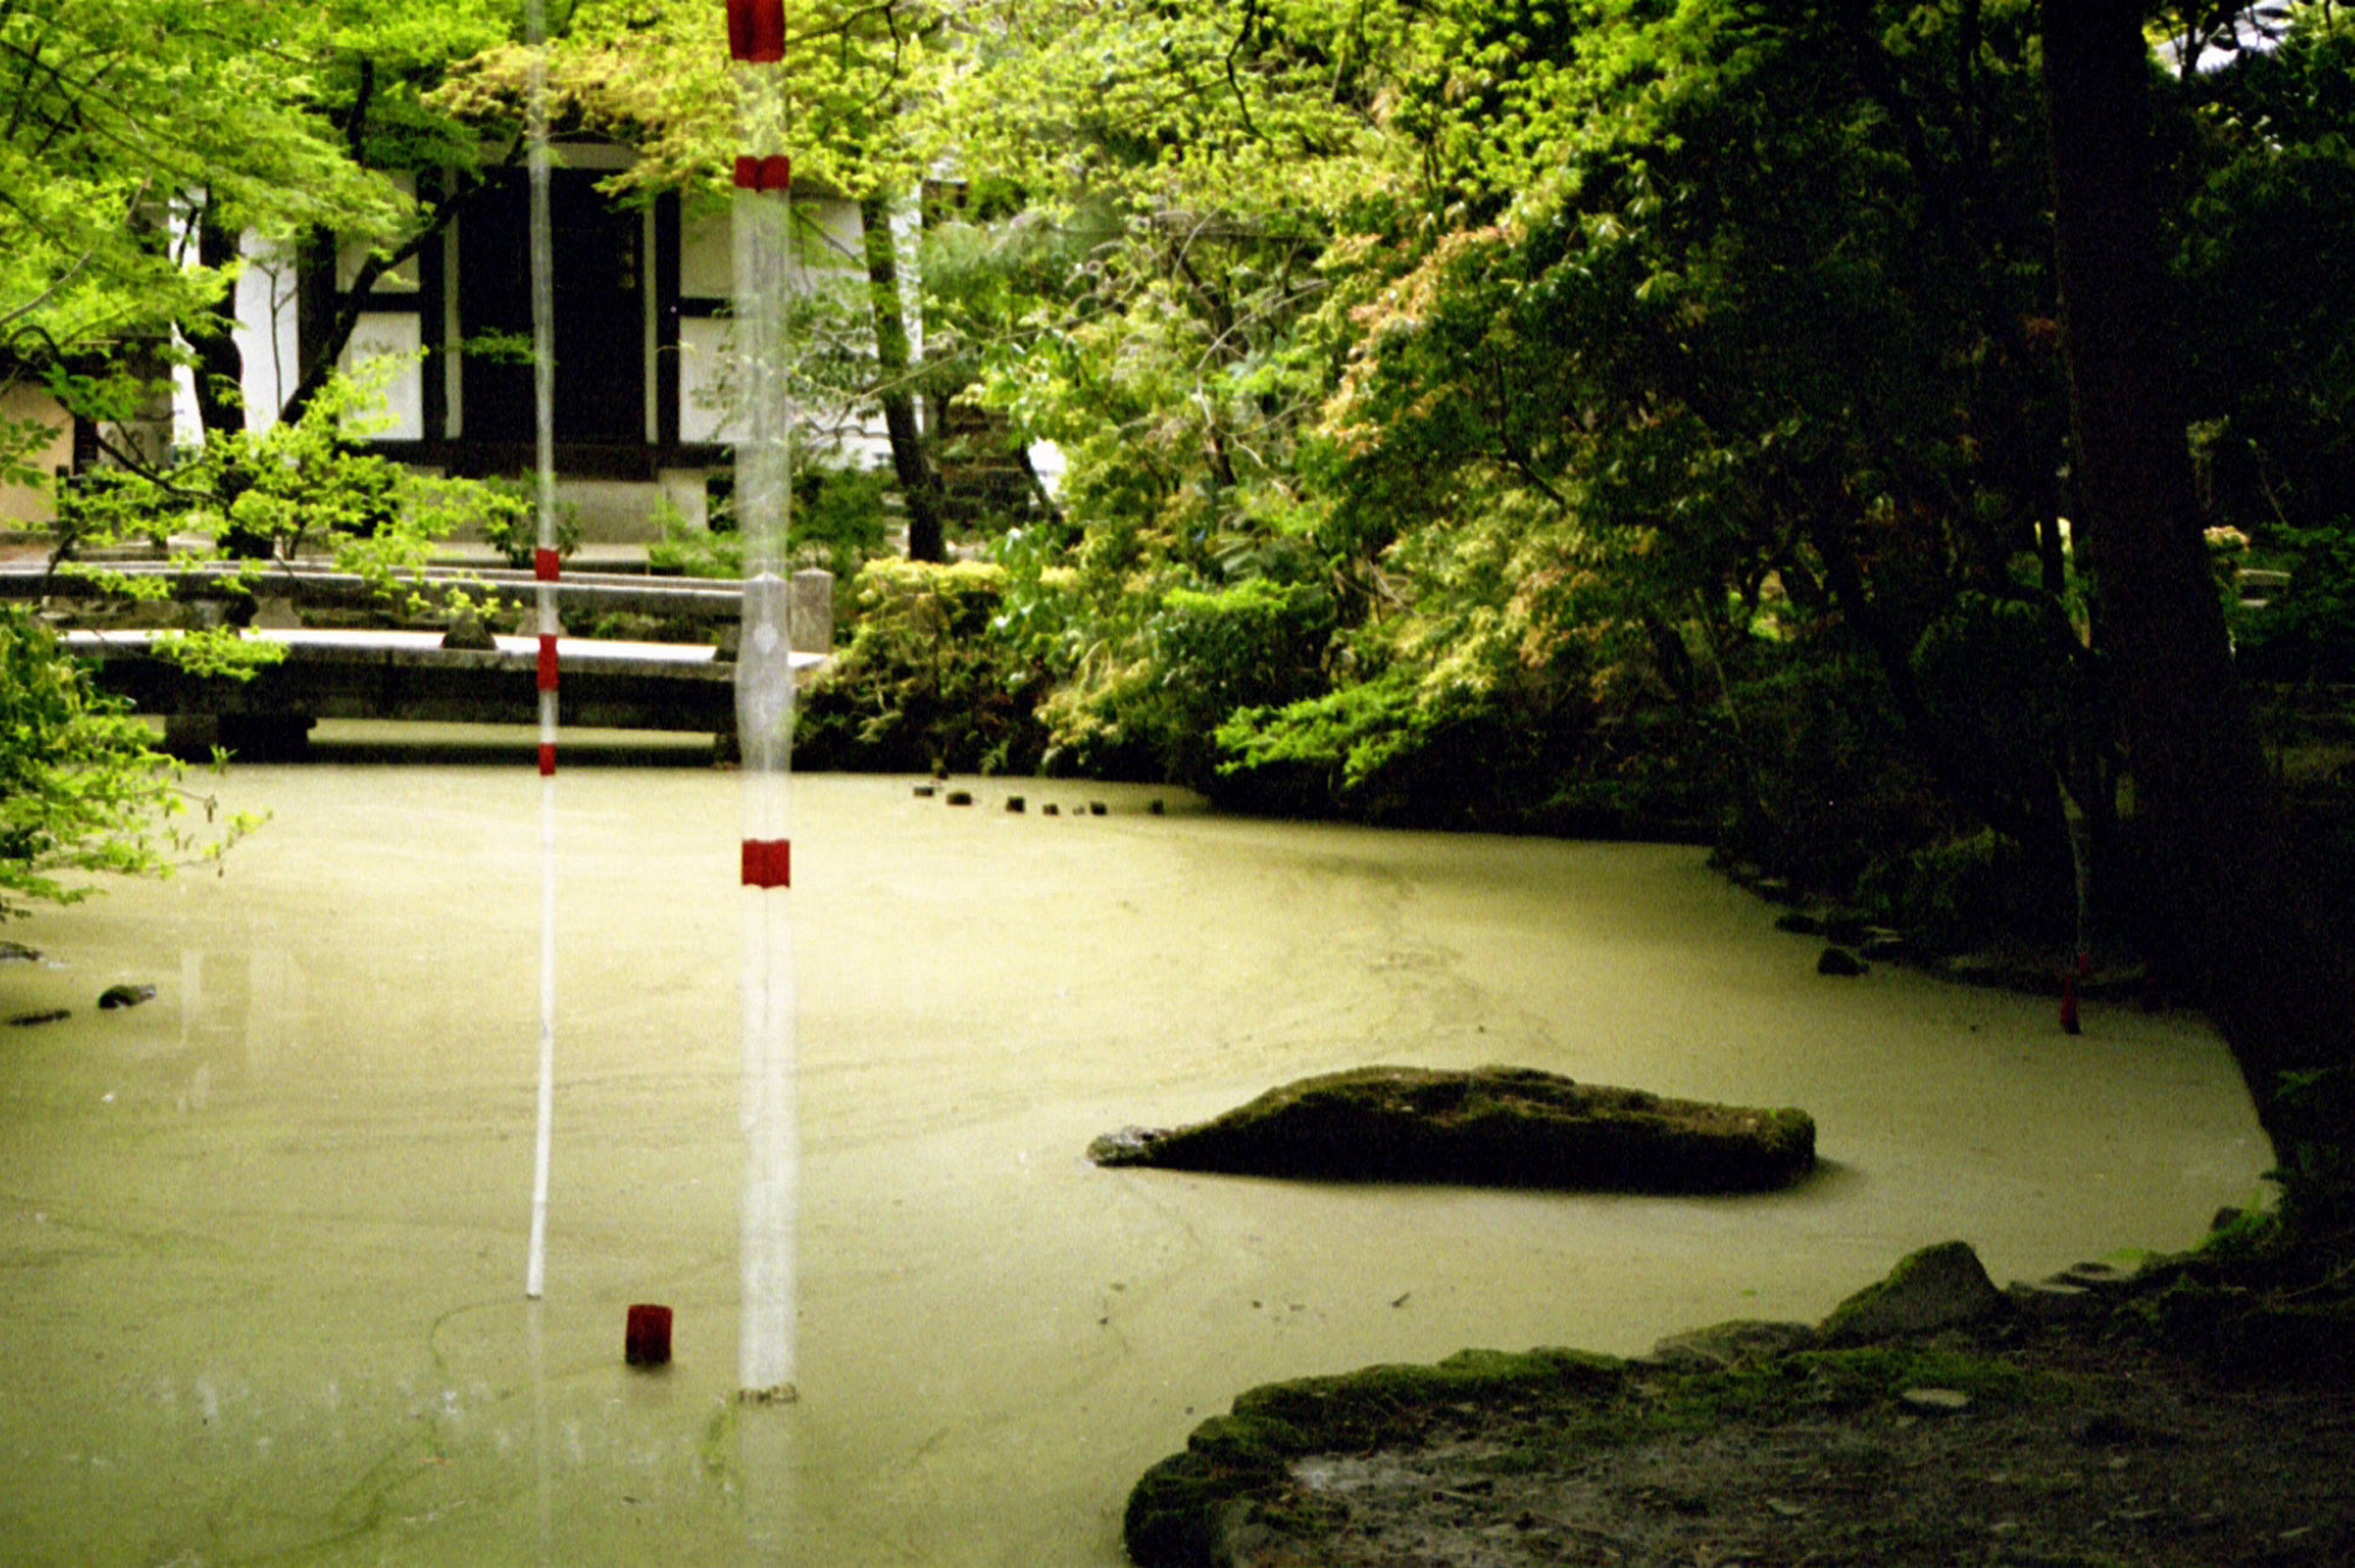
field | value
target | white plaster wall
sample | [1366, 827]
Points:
[706, 265]
[703, 364]
[612, 512]
[33, 503]
[398, 413]
[266, 333]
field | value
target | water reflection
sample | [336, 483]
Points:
[262, 1236]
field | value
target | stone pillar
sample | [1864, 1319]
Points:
[276, 613]
[810, 619]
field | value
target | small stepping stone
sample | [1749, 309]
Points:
[2052, 1300]
[1936, 1401]
[2096, 1276]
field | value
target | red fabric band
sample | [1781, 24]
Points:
[757, 31]
[774, 173]
[767, 863]
[548, 761]
[545, 564]
[547, 663]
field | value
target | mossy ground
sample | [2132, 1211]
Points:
[2200, 1417]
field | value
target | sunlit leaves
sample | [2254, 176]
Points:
[82, 789]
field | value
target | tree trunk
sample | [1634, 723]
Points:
[321, 327]
[220, 365]
[325, 314]
[2231, 913]
[920, 484]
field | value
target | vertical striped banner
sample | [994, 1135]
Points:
[764, 703]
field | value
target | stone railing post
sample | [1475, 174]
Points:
[809, 622]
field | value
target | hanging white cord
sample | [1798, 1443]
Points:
[764, 705]
[545, 565]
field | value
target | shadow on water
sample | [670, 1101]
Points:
[500, 745]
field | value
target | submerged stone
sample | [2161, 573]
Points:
[1505, 1126]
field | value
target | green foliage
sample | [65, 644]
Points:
[507, 512]
[691, 551]
[2316, 1174]
[19, 440]
[1828, 789]
[301, 485]
[2269, 171]
[82, 789]
[922, 684]
[2306, 633]
[837, 524]
[1203, 656]
[130, 118]
[838, 521]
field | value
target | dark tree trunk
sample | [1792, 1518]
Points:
[2230, 911]
[321, 327]
[920, 483]
[220, 366]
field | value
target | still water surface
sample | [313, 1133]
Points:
[263, 1238]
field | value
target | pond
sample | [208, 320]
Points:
[264, 1236]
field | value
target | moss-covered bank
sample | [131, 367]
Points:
[2101, 1417]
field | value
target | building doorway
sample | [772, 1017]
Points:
[599, 271]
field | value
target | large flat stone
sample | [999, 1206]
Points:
[1491, 1125]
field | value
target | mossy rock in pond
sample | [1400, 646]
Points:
[1502, 1126]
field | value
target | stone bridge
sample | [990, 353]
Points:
[420, 675]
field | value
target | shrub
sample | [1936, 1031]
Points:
[923, 682]
[1203, 656]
